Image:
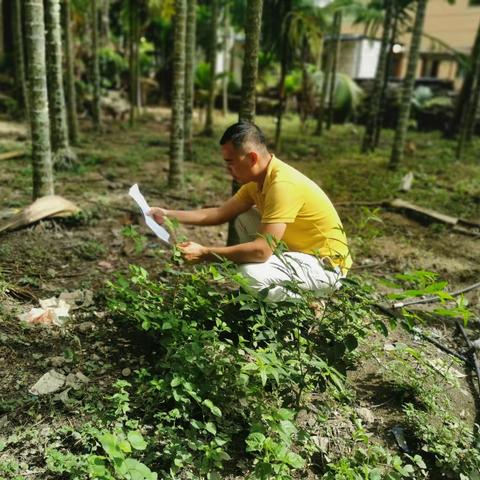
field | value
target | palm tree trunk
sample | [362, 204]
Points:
[250, 61]
[70, 75]
[133, 40]
[249, 80]
[226, 37]
[337, 28]
[212, 61]
[373, 114]
[466, 90]
[383, 94]
[63, 156]
[408, 85]
[323, 95]
[19, 58]
[190, 76]
[39, 119]
[95, 66]
[468, 120]
[105, 22]
[282, 97]
[175, 176]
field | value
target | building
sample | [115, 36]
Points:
[448, 29]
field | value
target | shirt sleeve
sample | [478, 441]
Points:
[244, 194]
[283, 201]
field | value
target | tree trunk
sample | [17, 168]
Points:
[63, 156]
[71, 95]
[190, 75]
[408, 85]
[468, 120]
[212, 53]
[323, 95]
[466, 90]
[19, 58]
[105, 22]
[337, 28]
[95, 66]
[250, 61]
[284, 63]
[383, 94]
[373, 113]
[175, 176]
[249, 80]
[133, 45]
[226, 38]
[37, 75]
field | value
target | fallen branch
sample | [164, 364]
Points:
[435, 298]
[471, 352]
[431, 340]
[12, 155]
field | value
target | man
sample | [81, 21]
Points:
[275, 202]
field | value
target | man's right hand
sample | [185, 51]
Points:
[158, 214]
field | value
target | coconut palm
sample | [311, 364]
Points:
[408, 85]
[373, 113]
[39, 120]
[19, 57]
[175, 177]
[63, 155]
[212, 60]
[189, 75]
[250, 60]
[337, 29]
[95, 66]
[71, 96]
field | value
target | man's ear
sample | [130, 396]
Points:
[253, 157]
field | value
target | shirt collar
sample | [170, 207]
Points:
[267, 179]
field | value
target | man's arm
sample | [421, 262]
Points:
[256, 251]
[204, 216]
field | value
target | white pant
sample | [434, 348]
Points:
[308, 271]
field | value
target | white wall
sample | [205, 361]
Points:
[369, 53]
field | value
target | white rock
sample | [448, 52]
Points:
[51, 382]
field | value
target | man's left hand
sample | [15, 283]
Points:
[193, 252]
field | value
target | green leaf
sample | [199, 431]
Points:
[136, 440]
[215, 410]
[139, 471]
[210, 427]
[125, 446]
[255, 442]
[294, 460]
[110, 445]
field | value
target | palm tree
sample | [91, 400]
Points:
[250, 61]
[249, 80]
[189, 75]
[19, 57]
[226, 38]
[373, 113]
[63, 156]
[212, 54]
[95, 66]
[175, 176]
[134, 37]
[408, 85]
[39, 120]
[285, 18]
[337, 29]
[71, 96]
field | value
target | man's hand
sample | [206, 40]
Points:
[158, 214]
[193, 252]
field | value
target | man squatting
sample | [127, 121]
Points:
[275, 202]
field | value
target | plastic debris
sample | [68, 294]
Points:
[52, 312]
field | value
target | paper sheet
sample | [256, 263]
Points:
[159, 231]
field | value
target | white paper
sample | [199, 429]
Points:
[159, 231]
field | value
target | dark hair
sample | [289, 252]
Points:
[241, 132]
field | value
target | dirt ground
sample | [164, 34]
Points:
[65, 255]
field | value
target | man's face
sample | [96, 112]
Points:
[239, 164]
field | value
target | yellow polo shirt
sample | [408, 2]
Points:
[313, 225]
